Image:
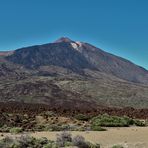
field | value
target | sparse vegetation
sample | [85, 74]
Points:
[16, 130]
[97, 128]
[80, 142]
[117, 146]
[5, 128]
[109, 121]
[16, 123]
[139, 123]
[63, 140]
[82, 117]
[48, 114]
[114, 121]
[24, 141]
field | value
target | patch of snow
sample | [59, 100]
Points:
[75, 46]
[79, 43]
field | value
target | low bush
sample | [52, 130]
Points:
[129, 121]
[114, 121]
[40, 127]
[5, 128]
[117, 146]
[55, 127]
[48, 114]
[97, 128]
[94, 145]
[80, 142]
[111, 121]
[1, 125]
[63, 139]
[26, 142]
[16, 130]
[82, 117]
[139, 123]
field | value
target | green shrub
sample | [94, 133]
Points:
[56, 127]
[65, 127]
[43, 140]
[117, 146]
[67, 144]
[50, 145]
[97, 128]
[115, 121]
[1, 125]
[40, 127]
[16, 130]
[129, 121]
[139, 123]
[93, 145]
[111, 121]
[82, 117]
[5, 128]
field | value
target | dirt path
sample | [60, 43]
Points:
[129, 137]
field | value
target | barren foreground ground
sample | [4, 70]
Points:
[129, 137]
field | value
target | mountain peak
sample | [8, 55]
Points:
[63, 39]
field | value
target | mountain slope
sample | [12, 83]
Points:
[68, 73]
[57, 54]
[114, 65]
[77, 56]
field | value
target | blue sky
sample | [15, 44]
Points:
[117, 26]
